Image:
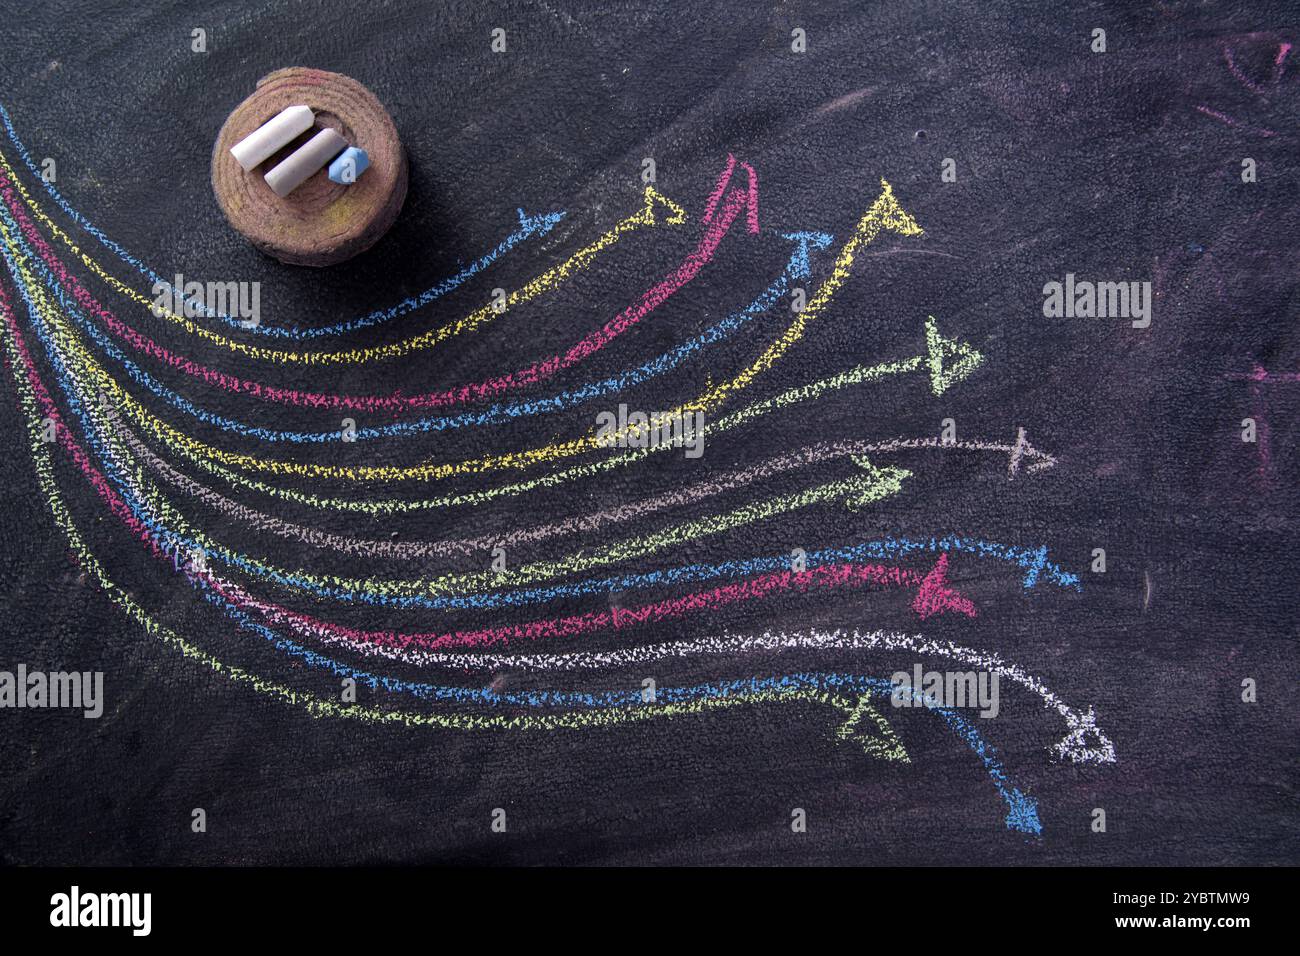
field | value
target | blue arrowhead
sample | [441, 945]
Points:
[540, 224]
[1023, 815]
[1035, 568]
[806, 241]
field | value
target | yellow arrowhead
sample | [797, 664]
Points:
[654, 197]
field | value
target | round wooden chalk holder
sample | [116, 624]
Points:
[321, 222]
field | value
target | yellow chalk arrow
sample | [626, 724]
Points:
[656, 209]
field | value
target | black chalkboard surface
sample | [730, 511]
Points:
[987, 313]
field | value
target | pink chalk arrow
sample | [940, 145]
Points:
[935, 596]
[751, 194]
[720, 215]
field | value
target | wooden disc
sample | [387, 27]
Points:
[321, 222]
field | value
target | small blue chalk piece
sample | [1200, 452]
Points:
[349, 166]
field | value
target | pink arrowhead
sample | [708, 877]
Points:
[750, 190]
[935, 596]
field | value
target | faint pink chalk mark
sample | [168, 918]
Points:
[1283, 48]
[1261, 374]
[1242, 78]
[1265, 470]
[1258, 377]
[1235, 124]
[845, 101]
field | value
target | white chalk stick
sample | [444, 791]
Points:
[309, 158]
[272, 135]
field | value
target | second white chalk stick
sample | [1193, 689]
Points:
[306, 160]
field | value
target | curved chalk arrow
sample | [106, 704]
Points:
[718, 226]
[664, 609]
[586, 522]
[824, 577]
[856, 376]
[578, 524]
[1022, 812]
[197, 451]
[647, 216]
[230, 595]
[1028, 580]
[172, 543]
[743, 416]
[530, 227]
[884, 213]
[794, 270]
[1076, 745]
[859, 490]
[1035, 561]
[1084, 742]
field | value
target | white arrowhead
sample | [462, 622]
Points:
[1077, 744]
[1022, 448]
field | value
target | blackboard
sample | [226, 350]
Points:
[1022, 149]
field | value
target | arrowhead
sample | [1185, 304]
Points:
[1085, 743]
[935, 596]
[751, 191]
[1034, 566]
[654, 198]
[1022, 448]
[874, 484]
[868, 728]
[538, 225]
[1023, 815]
[941, 352]
[805, 241]
[887, 211]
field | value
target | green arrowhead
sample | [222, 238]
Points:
[941, 352]
[874, 483]
[868, 728]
